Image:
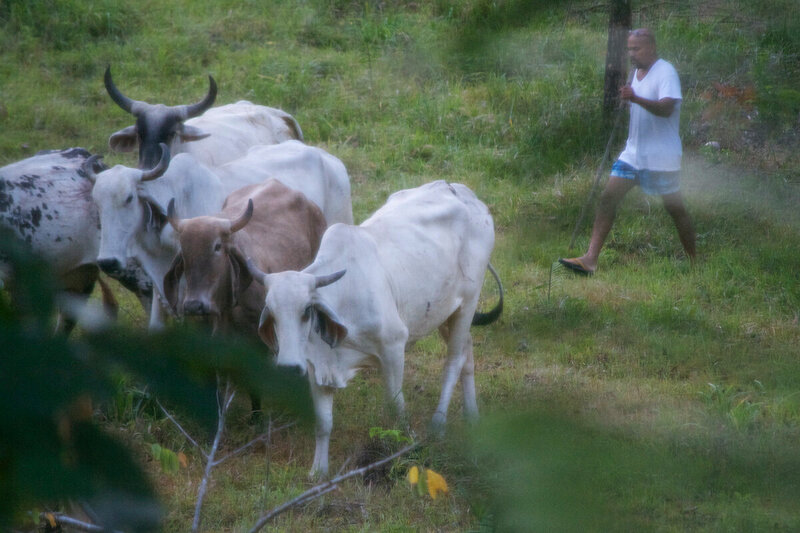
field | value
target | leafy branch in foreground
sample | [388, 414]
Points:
[51, 448]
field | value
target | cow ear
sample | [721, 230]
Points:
[190, 133]
[124, 140]
[240, 274]
[155, 217]
[266, 330]
[328, 325]
[172, 280]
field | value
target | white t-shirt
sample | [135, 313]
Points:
[654, 142]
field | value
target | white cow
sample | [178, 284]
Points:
[133, 224]
[133, 202]
[415, 265]
[214, 136]
[235, 128]
[320, 176]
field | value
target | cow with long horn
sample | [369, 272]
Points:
[214, 135]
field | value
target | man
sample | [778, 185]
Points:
[652, 154]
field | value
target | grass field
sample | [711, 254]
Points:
[653, 396]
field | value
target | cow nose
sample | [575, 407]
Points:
[109, 265]
[195, 307]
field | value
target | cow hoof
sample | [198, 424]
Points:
[317, 475]
[437, 426]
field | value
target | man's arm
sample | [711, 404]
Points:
[660, 108]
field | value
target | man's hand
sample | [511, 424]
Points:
[626, 93]
[660, 108]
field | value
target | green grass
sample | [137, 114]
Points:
[652, 396]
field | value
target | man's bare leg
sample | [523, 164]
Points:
[612, 195]
[674, 205]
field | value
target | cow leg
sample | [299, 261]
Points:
[468, 382]
[256, 414]
[456, 334]
[78, 282]
[156, 313]
[323, 411]
[392, 365]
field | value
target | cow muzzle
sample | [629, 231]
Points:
[290, 366]
[196, 307]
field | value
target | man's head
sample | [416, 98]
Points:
[642, 48]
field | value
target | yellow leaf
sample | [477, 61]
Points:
[182, 459]
[436, 484]
[413, 475]
[51, 520]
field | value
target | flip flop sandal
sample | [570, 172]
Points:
[576, 265]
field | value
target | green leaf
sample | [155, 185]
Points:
[169, 461]
[155, 451]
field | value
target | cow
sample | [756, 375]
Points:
[214, 136]
[46, 201]
[276, 227]
[321, 176]
[415, 265]
[132, 202]
[133, 222]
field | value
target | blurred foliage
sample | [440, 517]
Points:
[552, 470]
[51, 448]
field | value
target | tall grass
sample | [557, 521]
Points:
[63, 25]
[661, 396]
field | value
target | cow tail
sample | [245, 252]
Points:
[484, 319]
[110, 305]
[294, 127]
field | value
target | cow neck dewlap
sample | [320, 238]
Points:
[336, 367]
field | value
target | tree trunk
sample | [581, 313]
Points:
[616, 55]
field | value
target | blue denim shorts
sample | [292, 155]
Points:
[654, 182]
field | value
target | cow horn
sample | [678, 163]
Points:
[193, 110]
[242, 221]
[120, 99]
[173, 220]
[330, 278]
[257, 273]
[88, 166]
[160, 168]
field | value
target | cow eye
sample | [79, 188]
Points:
[129, 199]
[306, 314]
[218, 247]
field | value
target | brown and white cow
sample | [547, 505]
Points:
[278, 228]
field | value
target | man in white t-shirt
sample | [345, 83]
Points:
[652, 154]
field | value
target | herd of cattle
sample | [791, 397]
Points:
[230, 216]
